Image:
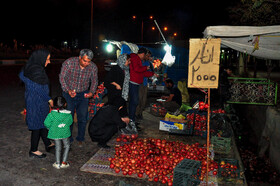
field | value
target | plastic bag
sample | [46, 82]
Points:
[168, 59]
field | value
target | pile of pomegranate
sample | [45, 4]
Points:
[156, 159]
[228, 169]
[126, 137]
[158, 110]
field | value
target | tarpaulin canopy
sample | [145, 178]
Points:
[126, 47]
[259, 41]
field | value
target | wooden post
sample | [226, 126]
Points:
[208, 136]
[204, 59]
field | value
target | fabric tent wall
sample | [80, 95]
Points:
[179, 70]
[262, 42]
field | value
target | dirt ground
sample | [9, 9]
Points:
[16, 168]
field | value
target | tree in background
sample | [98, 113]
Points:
[255, 12]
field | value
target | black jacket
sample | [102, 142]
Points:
[105, 124]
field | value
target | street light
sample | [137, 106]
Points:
[165, 28]
[91, 25]
[109, 48]
[142, 25]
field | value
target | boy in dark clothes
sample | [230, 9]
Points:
[106, 123]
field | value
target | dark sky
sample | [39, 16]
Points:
[51, 21]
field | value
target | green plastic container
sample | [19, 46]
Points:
[221, 145]
[187, 172]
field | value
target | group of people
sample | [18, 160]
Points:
[123, 83]
[52, 119]
[78, 78]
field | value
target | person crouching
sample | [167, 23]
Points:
[106, 122]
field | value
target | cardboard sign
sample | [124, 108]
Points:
[204, 59]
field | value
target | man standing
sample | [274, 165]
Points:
[143, 89]
[78, 79]
[137, 74]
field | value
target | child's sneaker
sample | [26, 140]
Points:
[64, 165]
[55, 165]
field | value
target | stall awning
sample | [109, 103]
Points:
[259, 41]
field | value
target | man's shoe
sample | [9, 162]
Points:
[138, 128]
[80, 144]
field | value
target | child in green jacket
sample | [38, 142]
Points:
[58, 123]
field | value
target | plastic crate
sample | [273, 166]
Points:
[157, 110]
[187, 130]
[227, 173]
[187, 172]
[221, 145]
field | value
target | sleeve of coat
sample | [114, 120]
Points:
[65, 69]
[148, 74]
[136, 64]
[48, 121]
[117, 119]
[94, 79]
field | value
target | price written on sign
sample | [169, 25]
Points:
[204, 59]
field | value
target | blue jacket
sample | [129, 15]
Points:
[36, 102]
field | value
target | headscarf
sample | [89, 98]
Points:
[35, 67]
[121, 62]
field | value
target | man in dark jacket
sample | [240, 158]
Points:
[106, 123]
[174, 100]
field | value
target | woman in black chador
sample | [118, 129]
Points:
[107, 122]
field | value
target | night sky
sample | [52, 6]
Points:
[52, 21]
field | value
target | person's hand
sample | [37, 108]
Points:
[118, 87]
[72, 93]
[88, 95]
[51, 102]
[126, 120]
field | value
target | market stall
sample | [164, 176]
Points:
[203, 154]
[262, 42]
[259, 41]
